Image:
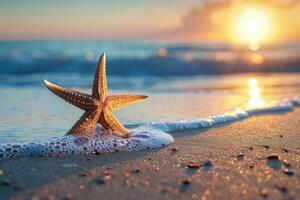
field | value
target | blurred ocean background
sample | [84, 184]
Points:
[184, 81]
[143, 58]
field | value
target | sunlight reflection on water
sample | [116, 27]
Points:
[256, 99]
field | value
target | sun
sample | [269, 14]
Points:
[252, 26]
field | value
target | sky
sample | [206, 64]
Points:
[176, 20]
[89, 19]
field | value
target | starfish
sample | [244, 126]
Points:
[99, 106]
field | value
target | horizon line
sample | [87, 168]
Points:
[139, 40]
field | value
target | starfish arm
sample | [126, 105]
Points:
[87, 121]
[77, 99]
[100, 83]
[111, 123]
[115, 102]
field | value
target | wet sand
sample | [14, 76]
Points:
[255, 158]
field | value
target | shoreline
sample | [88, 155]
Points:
[149, 136]
[256, 158]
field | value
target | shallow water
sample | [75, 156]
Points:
[31, 112]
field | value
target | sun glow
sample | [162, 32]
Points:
[252, 26]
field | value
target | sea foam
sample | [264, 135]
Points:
[227, 117]
[148, 136]
[98, 141]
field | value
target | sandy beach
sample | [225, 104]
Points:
[255, 158]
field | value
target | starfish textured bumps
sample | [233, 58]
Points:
[99, 106]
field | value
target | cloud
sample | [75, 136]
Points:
[208, 20]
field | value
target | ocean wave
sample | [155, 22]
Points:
[147, 136]
[152, 66]
[151, 59]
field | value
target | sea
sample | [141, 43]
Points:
[185, 82]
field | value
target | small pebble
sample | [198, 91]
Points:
[282, 189]
[273, 157]
[251, 166]
[6, 182]
[288, 172]
[167, 189]
[83, 174]
[106, 173]
[186, 182]
[286, 164]
[266, 147]
[104, 179]
[174, 149]
[264, 193]
[240, 156]
[136, 171]
[208, 163]
[273, 161]
[164, 190]
[281, 136]
[250, 148]
[109, 168]
[193, 165]
[285, 150]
